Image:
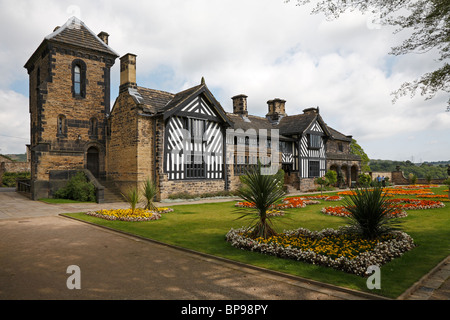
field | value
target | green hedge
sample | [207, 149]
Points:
[78, 188]
[9, 178]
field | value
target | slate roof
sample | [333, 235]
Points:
[156, 102]
[339, 136]
[159, 102]
[288, 125]
[75, 32]
[295, 124]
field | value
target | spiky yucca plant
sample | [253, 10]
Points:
[149, 190]
[264, 191]
[370, 212]
[133, 197]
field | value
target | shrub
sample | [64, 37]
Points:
[9, 178]
[331, 176]
[412, 178]
[78, 188]
[364, 180]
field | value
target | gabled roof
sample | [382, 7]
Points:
[295, 124]
[75, 33]
[288, 125]
[153, 100]
[156, 102]
[339, 136]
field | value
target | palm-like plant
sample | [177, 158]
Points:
[133, 197]
[149, 190]
[370, 213]
[264, 191]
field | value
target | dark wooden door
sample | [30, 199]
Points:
[92, 161]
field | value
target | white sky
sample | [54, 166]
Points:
[262, 48]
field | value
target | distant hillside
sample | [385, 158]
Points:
[17, 157]
[437, 169]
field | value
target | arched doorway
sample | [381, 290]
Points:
[93, 161]
[345, 176]
[354, 175]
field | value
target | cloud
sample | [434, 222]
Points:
[14, 122]
[264, 49]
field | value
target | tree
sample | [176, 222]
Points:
[355, 148]
[429, 21]
[321, 182]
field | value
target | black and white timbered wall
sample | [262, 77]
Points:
[194, 143]
[312, 160]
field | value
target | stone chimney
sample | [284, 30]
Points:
[311, 110]
[240, 105]
[127, 72]
[103, 36]
[277, 110]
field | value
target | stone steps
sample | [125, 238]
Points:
[111, 192]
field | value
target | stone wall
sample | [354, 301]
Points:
[192, 187]
[398, 178]
[51, 97]
[10, 166]
[308, 184]
[123, 142]
[374, 175]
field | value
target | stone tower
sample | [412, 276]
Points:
[69, 81]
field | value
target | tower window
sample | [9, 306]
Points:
[93, 127]
[61, 126]
[79, 78]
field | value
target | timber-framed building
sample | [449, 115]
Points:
[184, 141]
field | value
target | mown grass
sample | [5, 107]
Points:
[202, 227]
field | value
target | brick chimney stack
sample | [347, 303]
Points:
[103, 36]
[277, 109]
[127, 72]
[311, 110]
[240, 105]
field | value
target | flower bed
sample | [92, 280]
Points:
[401, 204]
[441, 197]
[414, 204]
[341, 211]
[401, 191]
[293, 202]
[127, 214]
[339, 249]
[417, 186]
[326, 198]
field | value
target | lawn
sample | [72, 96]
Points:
[202, 227]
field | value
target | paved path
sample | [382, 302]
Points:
[37, 246]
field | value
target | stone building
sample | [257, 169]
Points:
[185, 141]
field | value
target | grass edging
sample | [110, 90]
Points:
[239, 263]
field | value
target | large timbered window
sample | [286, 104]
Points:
[195, 164]
[314, 169]
[194, 143]
[314, 141]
